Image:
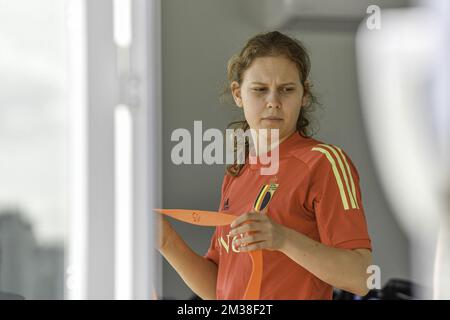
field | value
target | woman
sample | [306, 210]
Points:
[307, 216]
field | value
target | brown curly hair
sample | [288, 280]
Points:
[270, 44]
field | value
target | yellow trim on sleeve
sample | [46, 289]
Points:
[344, 172]
[351, 176]
[336, 175]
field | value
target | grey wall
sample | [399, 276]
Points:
[198, 38]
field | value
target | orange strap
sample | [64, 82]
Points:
[212, 218]
[198, 217]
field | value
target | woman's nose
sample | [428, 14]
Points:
[273, 100]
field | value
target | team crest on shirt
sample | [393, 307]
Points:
[264, 196]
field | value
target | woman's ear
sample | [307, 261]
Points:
[306, 92]
[236, 92]
[305, 99]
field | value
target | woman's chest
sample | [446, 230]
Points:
[282, 194]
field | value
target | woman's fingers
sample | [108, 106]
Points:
[249, 227]
[254, 246]
[247, 240]
[249, 216]
[255, 231]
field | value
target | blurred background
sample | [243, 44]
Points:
[91, 91]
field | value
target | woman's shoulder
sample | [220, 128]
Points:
[317, 154]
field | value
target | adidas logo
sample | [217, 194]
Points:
[226, 205]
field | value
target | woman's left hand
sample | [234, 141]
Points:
[257, 231]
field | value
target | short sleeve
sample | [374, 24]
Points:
[336, 199]
[213, 251]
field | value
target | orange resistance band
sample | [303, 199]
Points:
[212, 218]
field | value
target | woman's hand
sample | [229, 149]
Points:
[164, 231]
[257, 231]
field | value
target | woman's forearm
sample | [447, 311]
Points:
[341, 268]
[199, 273]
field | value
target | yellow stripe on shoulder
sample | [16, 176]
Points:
[336, 174]
[345, 172]
[351, 176]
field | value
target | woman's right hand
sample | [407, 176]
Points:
[164, 231]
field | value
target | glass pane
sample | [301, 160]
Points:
[33, 148]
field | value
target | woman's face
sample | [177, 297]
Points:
[271, 94]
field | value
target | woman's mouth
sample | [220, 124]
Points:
[272, 119]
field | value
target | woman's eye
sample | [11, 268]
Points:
[283, 90]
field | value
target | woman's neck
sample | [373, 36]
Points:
[264, 142]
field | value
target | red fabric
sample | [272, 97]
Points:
[308, 200]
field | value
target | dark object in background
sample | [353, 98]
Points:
[10, 296]
[395, 289]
